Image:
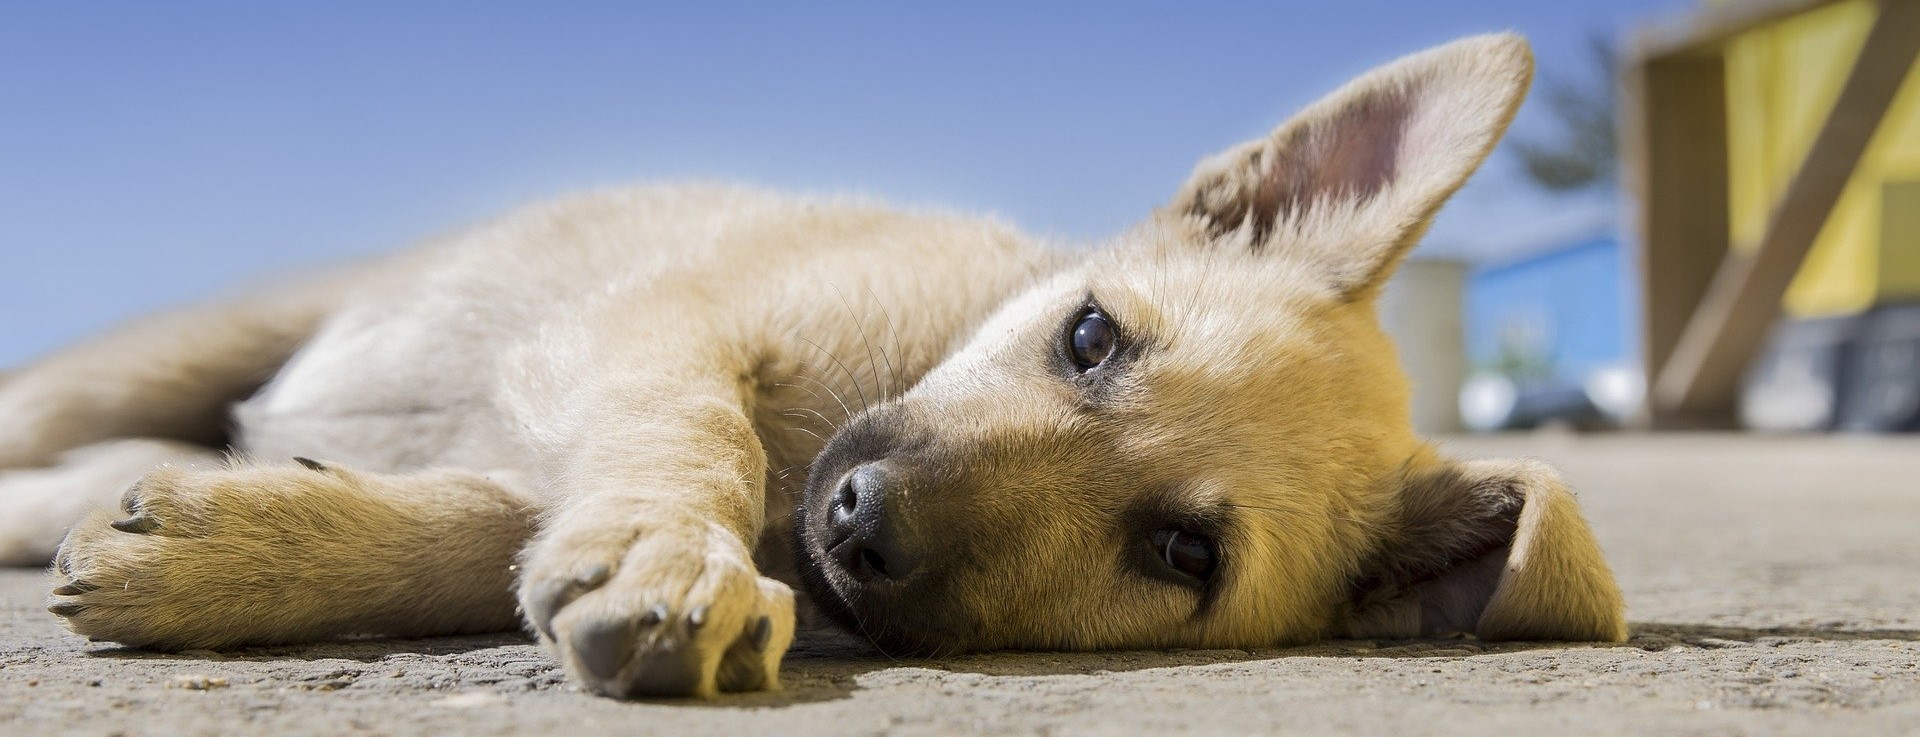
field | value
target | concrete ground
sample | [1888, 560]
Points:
[1774, 586]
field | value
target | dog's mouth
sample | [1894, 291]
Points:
[883, 611]
[836, 594]
[899, 579]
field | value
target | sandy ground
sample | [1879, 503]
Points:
[1774, 586]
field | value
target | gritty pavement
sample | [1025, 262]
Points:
[1773, 585]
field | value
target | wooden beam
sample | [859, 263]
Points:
[1704, 371]
[1674, 158]
[1704, 31]
[1899, 248]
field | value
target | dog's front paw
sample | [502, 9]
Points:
[662, 610]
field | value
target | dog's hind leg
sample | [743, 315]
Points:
[38, 504]
[173, 375]
[262, 554]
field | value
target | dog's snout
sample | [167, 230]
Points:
[869, 543]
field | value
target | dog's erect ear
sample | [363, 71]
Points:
[1495, 549]
[1350, 184]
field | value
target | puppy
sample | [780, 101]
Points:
[633, 421]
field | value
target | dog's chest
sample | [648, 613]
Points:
[386, 395]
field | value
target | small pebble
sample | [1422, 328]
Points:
[197, 682]
[468, 700]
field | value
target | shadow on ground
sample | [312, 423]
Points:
[362, 650]
[830, 668]
[1660, 635]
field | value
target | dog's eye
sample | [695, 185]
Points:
[1185, 552]
[1092, 340]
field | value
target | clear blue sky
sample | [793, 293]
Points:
[154, 153]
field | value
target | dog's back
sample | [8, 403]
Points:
[444, 356]
[447, 365]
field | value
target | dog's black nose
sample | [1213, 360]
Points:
[870, 545]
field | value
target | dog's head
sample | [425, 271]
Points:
[1199, 437]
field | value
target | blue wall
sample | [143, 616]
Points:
[1571, 307]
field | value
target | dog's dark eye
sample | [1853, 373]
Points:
[1184, 552]
[1092, 340]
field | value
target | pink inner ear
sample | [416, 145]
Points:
[1351, 155]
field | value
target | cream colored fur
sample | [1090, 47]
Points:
[602, 411]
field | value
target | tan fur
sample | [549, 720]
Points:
[292, 554]
[639, 385]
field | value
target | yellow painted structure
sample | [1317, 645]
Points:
[1781, 83]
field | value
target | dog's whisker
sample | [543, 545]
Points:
[884, 312]
[794, 412]
[864, 405]
[844, 409]
[823, 441]
[860, 323]
[862, 628]
[815, 395]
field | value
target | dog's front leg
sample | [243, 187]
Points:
[642, 577]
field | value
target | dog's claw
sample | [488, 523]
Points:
[66, 610]
[762, 632]
[549, 597]
[137, 524]
[540, 605]
[75, 589]
[697, 617]
[130, 500]
[311, 464]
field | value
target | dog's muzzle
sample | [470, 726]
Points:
[866, 544]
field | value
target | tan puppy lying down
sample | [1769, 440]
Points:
[634, 421]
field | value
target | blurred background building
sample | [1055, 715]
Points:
[1763, 270]
[1774, 148]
